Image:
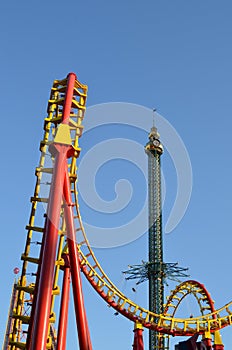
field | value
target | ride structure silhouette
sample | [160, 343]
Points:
[57, 253]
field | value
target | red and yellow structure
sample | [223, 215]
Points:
[57, 251]
[33, 315]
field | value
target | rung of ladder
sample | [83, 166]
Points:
[26, 289]
[35, 228]
[54, 120]
[206, 308]
[79, 93]
[44, 143]
[44, 170]
[29, 259]
[17, 345]
[39, 199]
[76, 104]
[91, 273]
[23, 318]
[56, 102]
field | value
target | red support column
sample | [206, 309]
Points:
[134, 346]
[207, 340]
[68, 98]
[63, 319]
[208, 343]
[45, 284]
[81, 319]
[138, 337]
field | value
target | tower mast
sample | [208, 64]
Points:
[154, 150]
[155, 270]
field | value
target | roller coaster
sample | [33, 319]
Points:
[57, 250]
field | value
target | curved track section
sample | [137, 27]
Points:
[184, 289]
[114, 297]
[198, 290]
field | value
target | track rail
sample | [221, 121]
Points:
[201, 295]
[198, 290]
[210, 322]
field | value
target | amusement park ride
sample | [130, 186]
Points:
[57, 251]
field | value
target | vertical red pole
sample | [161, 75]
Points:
[81, 319]
[45, 283]
[63, 319]
[207, 342]
[138, 338]
[68, 98]
[134, 346]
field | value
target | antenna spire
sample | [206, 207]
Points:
[153, 116]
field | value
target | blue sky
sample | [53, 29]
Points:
[172, 55]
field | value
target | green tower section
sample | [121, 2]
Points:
[155, 270]
[154, 151]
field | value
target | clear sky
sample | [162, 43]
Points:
[172, 55]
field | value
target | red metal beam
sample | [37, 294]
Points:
[138, 338]
[81, 319]
[63, 319]
[68, 98]
[45, 283]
